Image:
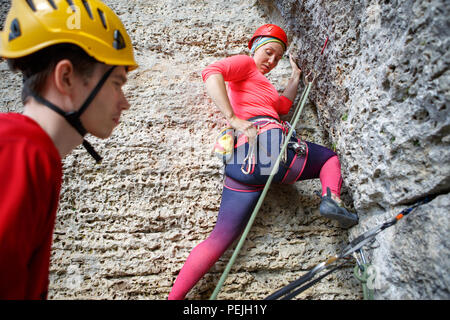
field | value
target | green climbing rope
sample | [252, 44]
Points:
[296, 117]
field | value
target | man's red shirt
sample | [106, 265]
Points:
[30, 184]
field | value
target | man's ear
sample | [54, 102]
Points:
[64, 77]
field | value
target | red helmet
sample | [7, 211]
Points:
[269, 30]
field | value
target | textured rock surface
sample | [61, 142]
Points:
[125, 227]
[383, 94]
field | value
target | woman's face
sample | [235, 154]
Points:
[267, 56]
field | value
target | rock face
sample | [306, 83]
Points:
[383, 94]
[126, 226]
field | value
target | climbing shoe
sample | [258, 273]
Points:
[330, 209]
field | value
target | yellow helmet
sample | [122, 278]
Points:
[32, 25]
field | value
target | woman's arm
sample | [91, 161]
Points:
[291, 90]
[215, 87]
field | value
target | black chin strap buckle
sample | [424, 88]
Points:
[73, 118]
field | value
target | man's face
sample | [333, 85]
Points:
[103, 113]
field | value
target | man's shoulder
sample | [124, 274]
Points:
[20, 133]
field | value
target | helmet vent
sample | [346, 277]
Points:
[31, 5]
[88, 9]
[102, 17]
[52, 3]
[70, 3]
[119, 42]
[15, 30]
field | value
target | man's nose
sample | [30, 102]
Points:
[124, 104]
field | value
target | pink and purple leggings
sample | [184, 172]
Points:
[240, 195]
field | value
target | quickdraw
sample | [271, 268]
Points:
[361, 271]
[353, 247]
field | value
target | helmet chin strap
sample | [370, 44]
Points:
[73, 117]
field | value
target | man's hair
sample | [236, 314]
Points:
[38, 66]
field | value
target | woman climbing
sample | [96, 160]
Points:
[252, 107]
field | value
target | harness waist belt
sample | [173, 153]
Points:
[263, 124]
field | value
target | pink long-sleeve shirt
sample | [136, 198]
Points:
[250, 92]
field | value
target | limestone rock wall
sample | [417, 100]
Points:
[383, 95]
[126, 226]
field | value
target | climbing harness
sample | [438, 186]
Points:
[263, 124]
[298, 110]
[299, 148]
[226, 142]
[355, 246]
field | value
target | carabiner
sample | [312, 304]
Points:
[306, 81]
